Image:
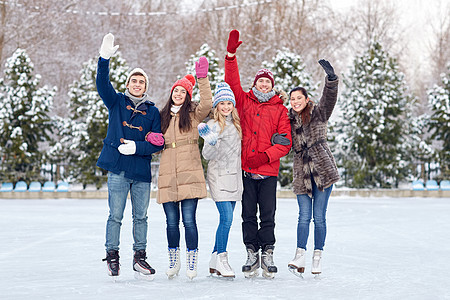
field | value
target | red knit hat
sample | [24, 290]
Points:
[264, 73]
[187, 82]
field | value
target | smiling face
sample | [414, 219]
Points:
[264, 85]
[225, 107]
[298, 101]
[136, 85]
[179, 95]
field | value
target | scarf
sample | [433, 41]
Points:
[263, 97]
[175, 108]
[137, 101]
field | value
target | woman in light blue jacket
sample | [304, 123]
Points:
[222, 148]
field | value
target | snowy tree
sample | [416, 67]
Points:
[438, 98]
[215, 74]
[289, 71]
[24, 120]
[375, 129]
[82, 136]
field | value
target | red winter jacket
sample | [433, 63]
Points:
[259, 121]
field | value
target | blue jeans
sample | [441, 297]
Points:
[118, 188]
[317, 208]
[188, 210]
[226, 209]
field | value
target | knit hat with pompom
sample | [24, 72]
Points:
[187, 82]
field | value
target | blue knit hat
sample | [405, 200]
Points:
[223, 93]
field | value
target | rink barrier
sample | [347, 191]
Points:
[103, 194]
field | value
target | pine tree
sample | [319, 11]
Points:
[289, 71]
[439, 124]
[24, 120]
[83, 135]
[374, 130]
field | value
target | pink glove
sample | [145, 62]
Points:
[233, 41]
[155, 138]
[258, 160]
[201, 67]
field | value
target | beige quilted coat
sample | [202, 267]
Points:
[180, 170]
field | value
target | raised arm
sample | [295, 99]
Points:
[232, 76]
[204, 108]
[330, 90]
[104, 86]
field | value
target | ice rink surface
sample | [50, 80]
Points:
[376, 248]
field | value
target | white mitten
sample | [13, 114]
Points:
[209, 135]
[127, 148]
[107, 48]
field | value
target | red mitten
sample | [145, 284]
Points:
[258, 160]
[155, 138]
[233, 41]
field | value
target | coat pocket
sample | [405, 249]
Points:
[228, 180]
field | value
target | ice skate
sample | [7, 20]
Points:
[316, 267]
[212, 264]
[112, 259]
[252, 264]
[142, 270]
[267, 264]
[174, 262]
[223, 269]
[191, 263]
[297, 265]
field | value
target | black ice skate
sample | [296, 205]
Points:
[141, 267]
[252, 264]
[112, 259]
[267, 264]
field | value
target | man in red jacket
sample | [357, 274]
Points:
[266, 137]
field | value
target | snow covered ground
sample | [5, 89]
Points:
[377, 248]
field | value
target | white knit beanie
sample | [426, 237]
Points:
[138, 70]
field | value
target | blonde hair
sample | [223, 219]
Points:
[219, 118]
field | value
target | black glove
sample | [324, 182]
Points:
[280, 139]
[328, 69]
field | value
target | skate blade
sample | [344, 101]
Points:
[172, 276]
[114, 278]
[251, 274]
[140, 276]
[295, 272]
[317, 276]
[268, 275]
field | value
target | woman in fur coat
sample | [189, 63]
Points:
[315, 170]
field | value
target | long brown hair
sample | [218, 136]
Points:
[305, 114]
[219, 118]
[184, 124]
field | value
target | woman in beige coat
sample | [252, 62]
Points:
[181, 181]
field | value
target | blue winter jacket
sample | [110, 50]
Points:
[130, 123]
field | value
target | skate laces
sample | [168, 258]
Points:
[225, 263]
[140, 258]
[111, 257]
[172, 257]
[268, 258]
[251, 257]
[192, 259]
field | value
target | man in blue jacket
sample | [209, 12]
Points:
[126, 155]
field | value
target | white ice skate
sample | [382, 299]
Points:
[316, 267]
[297, 265]
[212, 264]
[174, 262]
[223, 269]
[191, 263]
